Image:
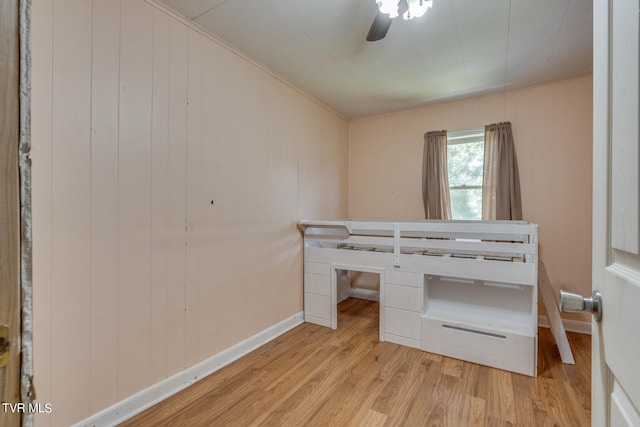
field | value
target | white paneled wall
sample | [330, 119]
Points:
[552, 128]
[168, 176]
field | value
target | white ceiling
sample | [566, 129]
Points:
[458, 49]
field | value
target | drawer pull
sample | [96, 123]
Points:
[473, 331]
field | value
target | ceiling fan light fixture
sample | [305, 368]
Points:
[388, 7]
[417, 8]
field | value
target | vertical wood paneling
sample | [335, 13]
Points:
[71, 210]
[177, 172]
[41, 124]
[134, 282]
[582, 187]
[277, 158]
[160, 196]
[194, 225]
[210, 271]
[562, 148]
[150, 122]
[104, 203]
[535, 110]
[332, 149]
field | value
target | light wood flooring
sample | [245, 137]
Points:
[314, 376]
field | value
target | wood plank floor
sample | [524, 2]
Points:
[314, 376]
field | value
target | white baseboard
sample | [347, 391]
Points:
[569, 325]
[148, 397]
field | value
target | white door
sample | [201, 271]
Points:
[616, 213]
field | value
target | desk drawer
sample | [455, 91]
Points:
[317, 306]
[403, 297]
[498, 349]
[405, 278]
[317, 284]
[317, 268]
[402, 323]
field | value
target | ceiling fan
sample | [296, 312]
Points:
[379, 27]
[389, 9]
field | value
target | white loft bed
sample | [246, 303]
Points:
[463, 289]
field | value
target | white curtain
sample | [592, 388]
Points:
[435, 176]
[501, 183]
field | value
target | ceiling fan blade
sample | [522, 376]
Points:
[379, 27]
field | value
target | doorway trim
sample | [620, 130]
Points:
[26, 235]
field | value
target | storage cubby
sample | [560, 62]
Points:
[497, 306]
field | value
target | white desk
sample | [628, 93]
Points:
[463, 289]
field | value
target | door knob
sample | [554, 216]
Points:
[573, 303]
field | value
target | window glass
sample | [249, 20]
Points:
[465, 163]
[466, 203]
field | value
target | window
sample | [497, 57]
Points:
[465, 159]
